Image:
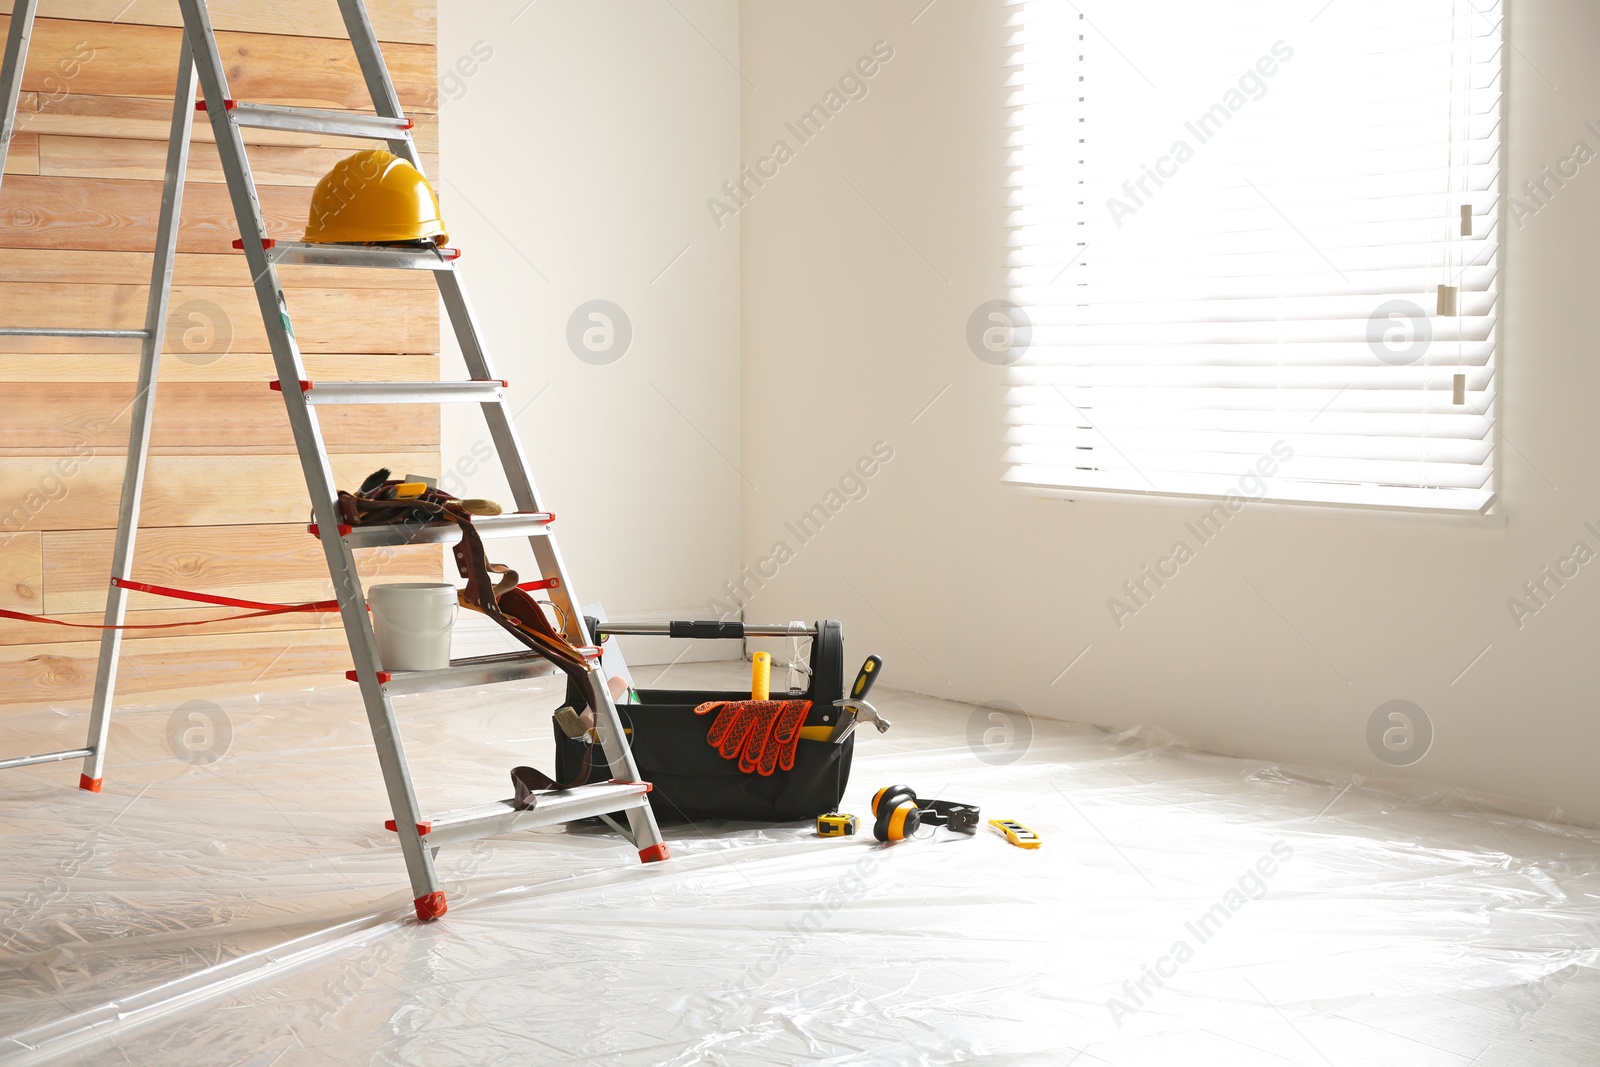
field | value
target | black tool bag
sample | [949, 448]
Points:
[692, 780]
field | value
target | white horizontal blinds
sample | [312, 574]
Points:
[1229, 224]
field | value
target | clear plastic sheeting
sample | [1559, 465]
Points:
[232, 898]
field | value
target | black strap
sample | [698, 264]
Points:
[528, 782]
[962, 818]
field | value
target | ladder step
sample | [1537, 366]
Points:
[487, 820]
[67, 331]
[473, 671]
[300, 253]
[515, 524]
[316, 120]
[47, 757]
[475, 392]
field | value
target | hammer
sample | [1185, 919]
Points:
[855, 706]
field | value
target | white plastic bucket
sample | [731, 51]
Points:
[412, 621]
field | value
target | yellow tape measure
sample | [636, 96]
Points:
[834, 824]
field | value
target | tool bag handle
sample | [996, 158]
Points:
[702, 629]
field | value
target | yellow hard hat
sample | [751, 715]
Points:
[374, 196]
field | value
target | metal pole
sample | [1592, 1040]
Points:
[17, 39]
[144, 404]
[364, 39]
[48, 757]
[68, 331]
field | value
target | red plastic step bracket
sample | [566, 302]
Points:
[227, 105]
[423, 828]
[649, 787]
[266, 242]
[344, 531]
[384, 677]
[277, 386]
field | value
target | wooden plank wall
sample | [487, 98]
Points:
[225, 502]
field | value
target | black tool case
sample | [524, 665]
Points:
[692, 780]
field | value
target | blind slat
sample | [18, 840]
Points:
[1247, 257]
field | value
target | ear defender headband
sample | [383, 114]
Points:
[900, 814]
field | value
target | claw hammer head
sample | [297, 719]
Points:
[861, 712]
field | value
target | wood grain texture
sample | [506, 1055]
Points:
[108, 214]
[102, 59]
[206, 323]
[400, 21]
[105, 214]
[23, 155]
[64, 673]
[21, 573]
[120, 157]
[241, 417]
[279, 564]
[225, 500]
[81, 492]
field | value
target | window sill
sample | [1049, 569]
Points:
[1493, 518]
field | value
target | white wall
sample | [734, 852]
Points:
[576, 161]
[861, 263]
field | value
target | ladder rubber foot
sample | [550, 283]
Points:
[430, 907]
[90, 784]
[654, 854]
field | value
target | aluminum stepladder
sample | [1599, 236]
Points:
[143, 406]
[420, 836]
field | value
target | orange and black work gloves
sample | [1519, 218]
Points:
[761, 734]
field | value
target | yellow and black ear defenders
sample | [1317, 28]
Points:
[900, 814]
[897, 813]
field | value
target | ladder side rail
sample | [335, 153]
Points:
[502, 431]
[143, 416]
[619, 757]
[313, 460]
[512, 459]
[364, 39]
[16, 57]
[18, 36]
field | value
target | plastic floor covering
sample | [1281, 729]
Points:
[243, 905]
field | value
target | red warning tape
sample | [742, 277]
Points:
[262, 609]
[224, 601]
[259, 608]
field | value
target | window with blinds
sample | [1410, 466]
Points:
[1230, 223]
